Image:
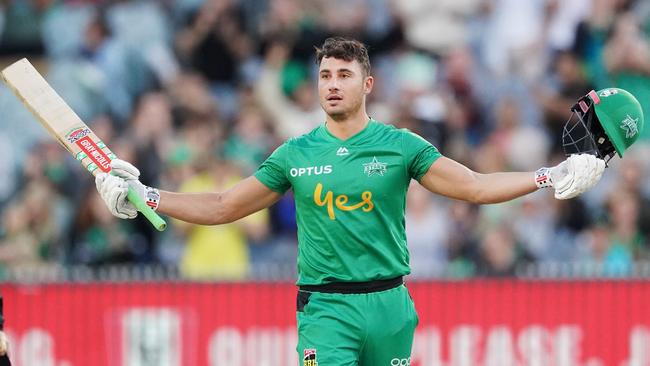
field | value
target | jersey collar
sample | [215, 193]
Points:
[326, 134]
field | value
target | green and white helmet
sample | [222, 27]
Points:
[604, 123]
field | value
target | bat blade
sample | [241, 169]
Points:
[56, 116]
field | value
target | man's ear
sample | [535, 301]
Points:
[368, 84]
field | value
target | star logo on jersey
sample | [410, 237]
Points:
[342, 151]
[630, 126]
[374, 167]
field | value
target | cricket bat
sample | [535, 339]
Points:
[66, 126]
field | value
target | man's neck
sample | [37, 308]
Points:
[348, 127]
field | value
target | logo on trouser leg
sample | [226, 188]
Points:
[309, 357]
[400, 362]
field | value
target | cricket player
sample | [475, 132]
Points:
[349, 177]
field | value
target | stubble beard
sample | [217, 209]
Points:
[343, 115]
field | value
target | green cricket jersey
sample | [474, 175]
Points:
[350, 199]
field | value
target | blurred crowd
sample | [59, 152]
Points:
[198, 93]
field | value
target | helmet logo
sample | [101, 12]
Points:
[629, 125]
[607, 92]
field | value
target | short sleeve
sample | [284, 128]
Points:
[272, 172]
[419, 154]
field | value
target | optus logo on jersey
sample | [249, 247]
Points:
[315, 170]
[340, 201]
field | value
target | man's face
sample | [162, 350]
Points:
[342, 87]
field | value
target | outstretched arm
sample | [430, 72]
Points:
[213, 208]
[570, 178]
[454, 180]
[209, 208]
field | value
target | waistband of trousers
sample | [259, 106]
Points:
[355, 287]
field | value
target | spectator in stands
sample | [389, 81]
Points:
[463, 74]
[98, 240]
[7, 168]
[633, 178]
[216, 45]
[512, 144]
[249, 142]
[615, 241]
[293, 115]
[109, 61]
[30, 231]
[190, 97]
[463, 239]
[219, 252]
[533, 227]
[20, 30]
[436, 26]
[427, 231]
[572, 84]
[627, 59]
[626, 236]
[501, 254]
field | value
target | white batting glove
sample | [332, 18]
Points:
[114, 187]
[572, 177]
[4, 343]
[113, 191]
[124, 169]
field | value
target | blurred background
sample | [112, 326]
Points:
[198, 93]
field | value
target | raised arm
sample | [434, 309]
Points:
[208, 208]
[570, 178]
[213, 208]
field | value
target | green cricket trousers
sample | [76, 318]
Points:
[356, 324]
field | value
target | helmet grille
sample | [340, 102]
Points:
[583, 134]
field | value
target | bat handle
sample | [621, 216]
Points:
[149, 213]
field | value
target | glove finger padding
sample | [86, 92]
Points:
[587, 172]
[121, 207]
[114, 190]
[124, 169]
[596, 169]
[99, 181]
[569, 186]
[584, 171]
[562, 176]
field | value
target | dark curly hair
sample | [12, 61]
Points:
[344, 49]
